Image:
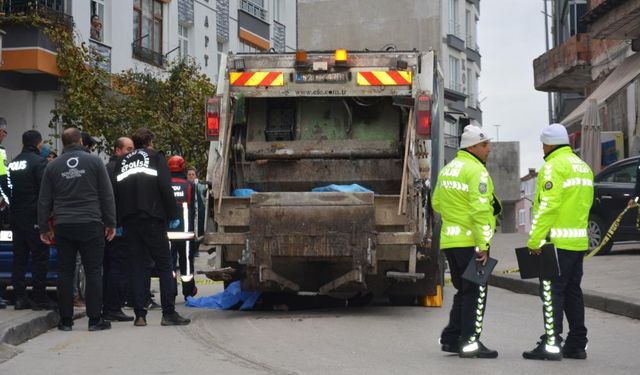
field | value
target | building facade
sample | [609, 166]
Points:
[594, 56]
[142, 35]
[524, 207]
[448, 27]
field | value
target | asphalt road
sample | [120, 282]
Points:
[375, 339]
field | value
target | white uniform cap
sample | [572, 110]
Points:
[554, 134]
[472, 135]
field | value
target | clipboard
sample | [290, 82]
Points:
[478, 273]
[544, 266]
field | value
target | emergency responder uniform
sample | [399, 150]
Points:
[26, 175]
[564, 195]
[116, 269]
[145, 205]
[183, 251]
[465, 199]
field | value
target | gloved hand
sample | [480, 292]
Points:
[173, 224]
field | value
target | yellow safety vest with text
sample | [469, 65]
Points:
[564, 195]
[464, 198]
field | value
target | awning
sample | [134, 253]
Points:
[621, 77]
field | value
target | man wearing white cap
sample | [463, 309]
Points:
[464, 197]
[564, 195]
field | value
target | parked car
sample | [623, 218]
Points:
[612, 190]
[6, 261]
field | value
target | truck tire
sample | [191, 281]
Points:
[596, 232]
[402, 299]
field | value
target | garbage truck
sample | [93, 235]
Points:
[321, 167]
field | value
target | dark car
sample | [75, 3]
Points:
[612, 189]
[6, 261]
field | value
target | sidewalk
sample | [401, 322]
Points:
[610, 282]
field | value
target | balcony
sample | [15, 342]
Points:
[254, 9]
[279, 36]
[29, 57]
[148, 55]
[566, 68]
[101, 53]
[614, 19]
[454, 36]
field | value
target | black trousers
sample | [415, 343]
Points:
[26, 241]
[567, 299]
[88, 240]
[466, 311]
[147, 239]
[116, 275]
[179, 257]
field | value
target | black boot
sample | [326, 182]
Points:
[476, 350]
[22, 303]
[117, 316]
[174, 319]
[449, 347]
[3, 303]
[574, 353]
[544, 351]
[99, 325]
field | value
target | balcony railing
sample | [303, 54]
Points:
[455, 86]
[471, 43]
[101, 55]
[51, 9]
[148, 55]
[279, 36]
[566, 68]
[222, 20]
[455, 29]
[254, 9]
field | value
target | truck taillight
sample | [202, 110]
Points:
[423, 116]
[213, 118]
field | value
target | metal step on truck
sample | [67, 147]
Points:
[283, 124]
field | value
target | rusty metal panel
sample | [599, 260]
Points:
[234, 212]
[313, 225]
[321, 149]
[387, 211]
[225, 238]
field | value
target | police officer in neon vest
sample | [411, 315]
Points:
[183, 251]
[564, 195]
[464, 197]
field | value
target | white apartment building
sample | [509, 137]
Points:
[142, 35]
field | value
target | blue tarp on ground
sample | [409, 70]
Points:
[228, 299]
[353, 188]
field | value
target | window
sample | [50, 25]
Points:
[626, 174]
[454, 27]
[97, 25]
[147, 24]
[454, 74]
[183, 41]
[276, 10]
[219, 53]
[248, 48]
[471, 89]
[521, 220]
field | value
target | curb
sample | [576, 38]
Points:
[20, 330]
[615, 304]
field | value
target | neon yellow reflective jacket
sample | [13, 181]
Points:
[564, 195]
[3, 161]
[464, 197]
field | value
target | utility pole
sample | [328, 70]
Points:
[546, 41]
[497, 132]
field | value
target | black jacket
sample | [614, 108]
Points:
[76, 188]
[26, 172]
[143, 187]
[636, 190]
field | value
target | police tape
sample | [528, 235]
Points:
[198, 281]
[613, 228]
[608, 236]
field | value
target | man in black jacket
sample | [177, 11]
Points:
[145, 205]
[77, 192]
[116, 271]
[26, 175]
